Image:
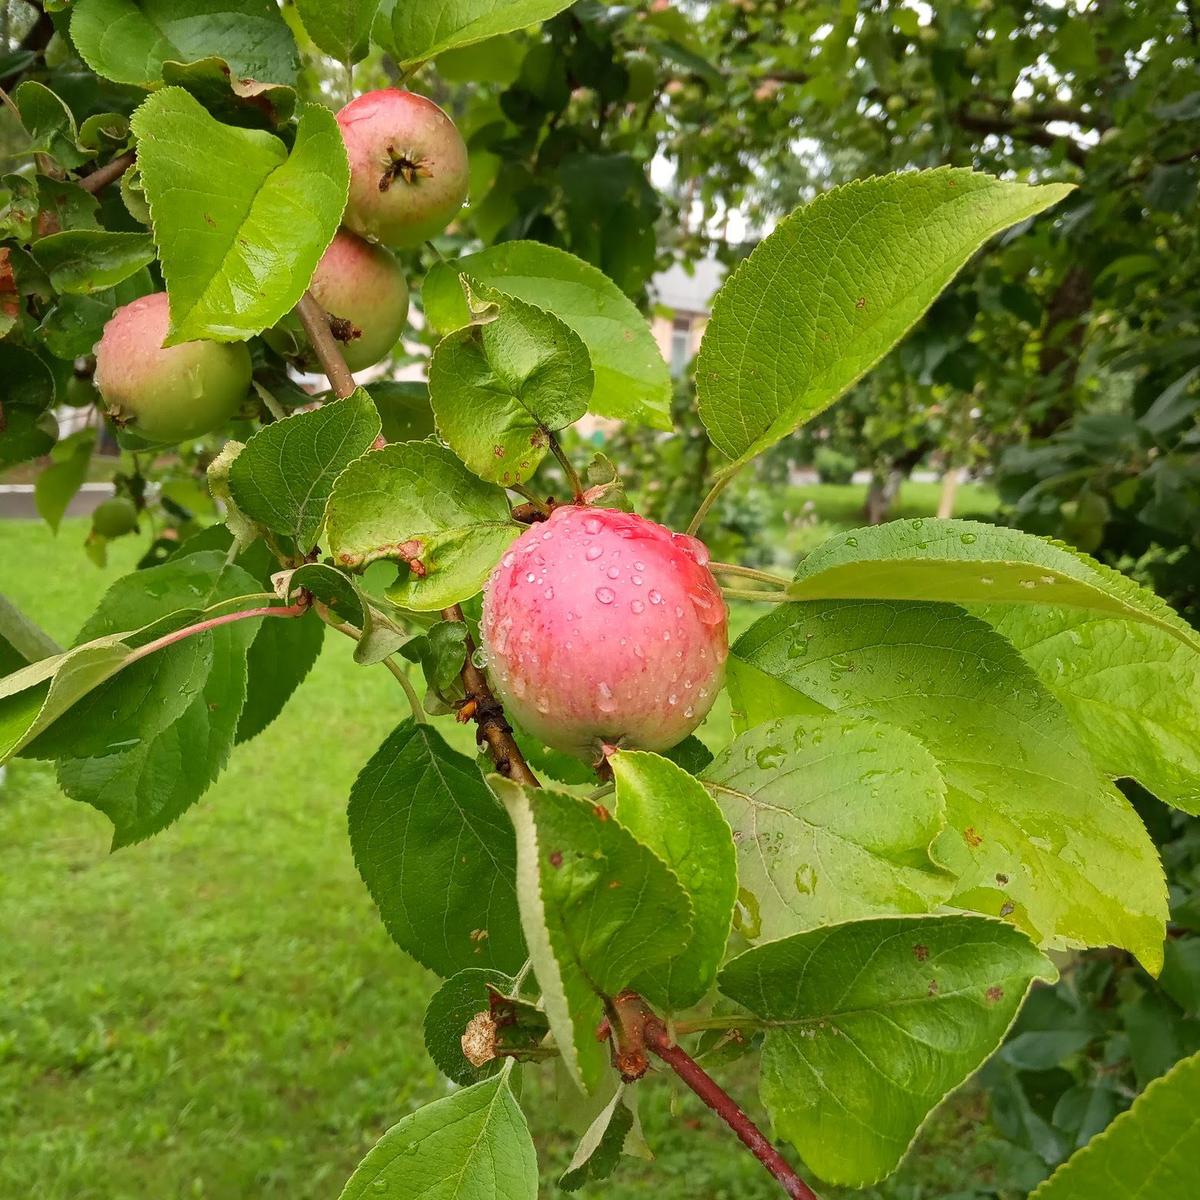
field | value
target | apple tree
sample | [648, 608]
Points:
[917, 805]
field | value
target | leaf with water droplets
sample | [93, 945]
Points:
[474, 1143]
[1034, 831]
[1132, 691]
[833, 817]
[870, 1023]
[968, 562]
[598, 908]
[671, 813]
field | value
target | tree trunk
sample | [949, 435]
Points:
[1062, 340]
[881, 495]
[950, 481]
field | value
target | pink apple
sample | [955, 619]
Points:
[167, 394]
[363, 290]
[603, 628]
[408, 167]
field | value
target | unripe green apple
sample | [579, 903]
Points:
[408, 167]
[166, 394]
[116, 517]
[361, 286]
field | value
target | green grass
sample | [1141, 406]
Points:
[219, 1013]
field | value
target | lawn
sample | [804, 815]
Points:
[219, 1013]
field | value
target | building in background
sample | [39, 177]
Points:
[682, 302]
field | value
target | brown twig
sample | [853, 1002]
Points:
[482, 707]
[654, 1036]
[316, 325]
[100, 178]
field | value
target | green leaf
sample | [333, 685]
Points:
[869, 1024]
[230, 99]
[1132, 692]
[1151, 1150]
[472, 1145]
[75, 324]
[240, 223]
[25, 381]
[436, 854]
[49, 123]
[33, 698]
[283, 477]
[599, 1149]
[598, 908]
[415, 503]
[631, 382]
[278, 662]
[380, 635]
[342, 28]
[833, 818]
[1034, 831]
[503, 384]
[968, 562]
[144, 789]
[826, 295]
[441, 651]
[18, 207]
[27, 434]
[154, 691]
[670, 813]
[57, 484]
[421, 31]
[129, 42]
[450, 1010]
[81, 261]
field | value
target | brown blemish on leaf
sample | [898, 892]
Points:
[933, 987]
[613, 884]
[920, 953]
[971, 837]
[994, 993]
[1006, 908]
[556, 859]
[602, 813]
[498, 451]
[1001, 878]
[860, 303]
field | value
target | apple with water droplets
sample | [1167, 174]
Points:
[408, 167]
[603, 629]
[167, 394]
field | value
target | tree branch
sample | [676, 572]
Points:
[100, 178]
[316, 325]
[636, 1029]
[483, 707]
[974, 123]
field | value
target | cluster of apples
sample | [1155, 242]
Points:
[408, 177]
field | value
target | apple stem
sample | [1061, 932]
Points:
[494, 731]
[100, 178]
[316, 325]
[720, 568]
[717, 488]
[576, 484]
